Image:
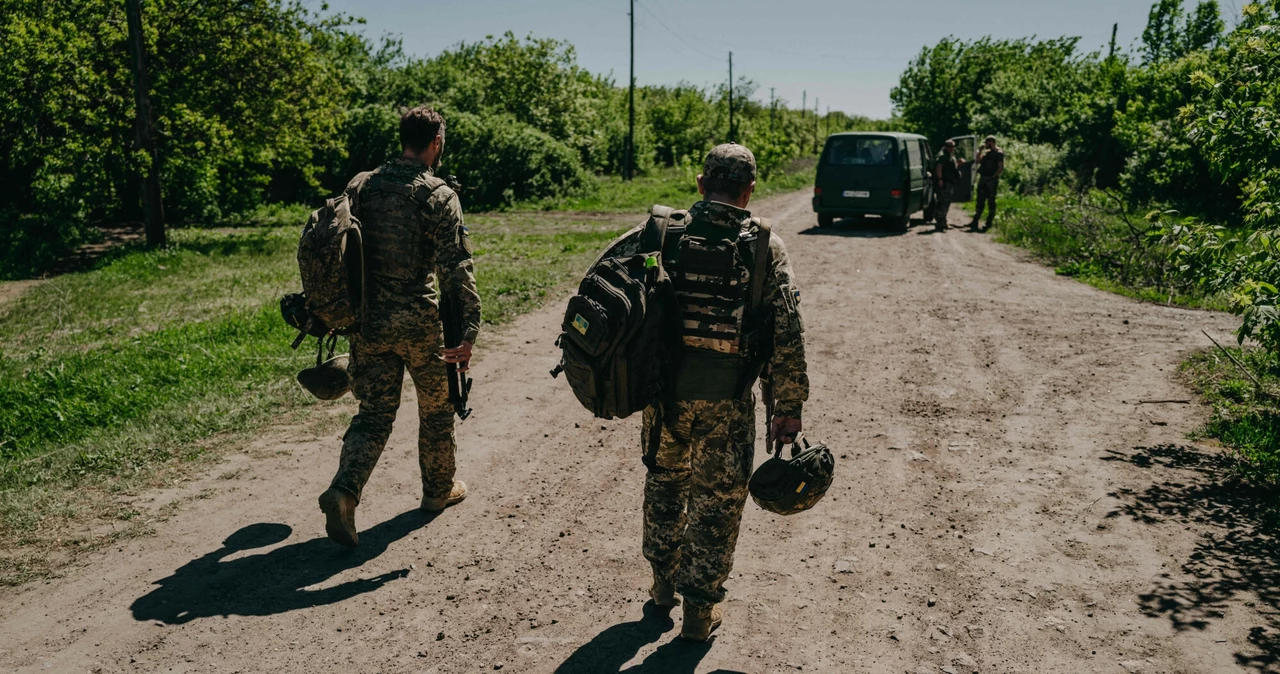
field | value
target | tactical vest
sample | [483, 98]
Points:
[396, 249]
[712, 278]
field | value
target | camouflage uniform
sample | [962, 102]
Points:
[402, 328]
[988, 181]
[699, 452]
[946, 193]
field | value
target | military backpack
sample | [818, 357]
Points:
[331, 263]
[619, 329]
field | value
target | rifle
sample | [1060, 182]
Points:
[459, 382]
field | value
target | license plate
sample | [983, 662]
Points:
[857, 194]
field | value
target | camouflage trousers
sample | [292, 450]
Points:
[699, 455]
[986, 198]
[377, 373]
[942, 206]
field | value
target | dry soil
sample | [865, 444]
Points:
[1004, 502]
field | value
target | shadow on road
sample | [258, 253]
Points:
[853, 228]
[614, 647]
[1236, 559]
[274, 582]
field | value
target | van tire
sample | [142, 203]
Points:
[826, 219]
[900, 223]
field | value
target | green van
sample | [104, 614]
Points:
[881, 174]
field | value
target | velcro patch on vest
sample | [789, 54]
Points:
[720, 345]
[581, 324]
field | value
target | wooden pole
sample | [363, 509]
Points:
[152, 204]
[631, 100]
[731, 133]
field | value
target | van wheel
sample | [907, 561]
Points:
[900, 223]
[826, 219]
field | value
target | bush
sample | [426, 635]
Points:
[501, 161]
[1033, 168]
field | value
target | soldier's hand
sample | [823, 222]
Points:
[783, 430]
[461, 355]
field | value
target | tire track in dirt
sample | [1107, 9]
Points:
[985, 515]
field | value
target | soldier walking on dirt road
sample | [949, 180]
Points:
[699, 441]
[990, 162]
[413, 231]
[947, 173]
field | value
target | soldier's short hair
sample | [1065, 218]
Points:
[729, 188]
[419, 126]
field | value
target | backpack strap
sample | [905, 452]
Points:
[655, 230]
[763, 253]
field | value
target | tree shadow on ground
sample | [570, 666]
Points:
[1237, 557]
[273, 582]
[614, 647]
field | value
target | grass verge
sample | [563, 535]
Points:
[1246, 414]
[1088, 239]
[130, 375]
[674, 187]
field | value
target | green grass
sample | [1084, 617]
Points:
[112, 380]
[1246, 416]
[675, 187]
[1095, 245]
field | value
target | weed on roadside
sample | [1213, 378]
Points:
[1090, 238]
[1246, 414]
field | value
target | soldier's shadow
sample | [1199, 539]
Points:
[614, 647]
[273, 582]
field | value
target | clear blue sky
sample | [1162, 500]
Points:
[847, 53]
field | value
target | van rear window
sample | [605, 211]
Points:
[855, 151]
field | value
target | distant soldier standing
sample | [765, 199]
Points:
[990, 163]
[413, 232]
[947, 173]
[699, 441]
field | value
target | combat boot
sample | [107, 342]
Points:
[664, 594]
[339, 509]
[455, 495]
[700, 622]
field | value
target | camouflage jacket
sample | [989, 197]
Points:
[781, 293]
[399, 308]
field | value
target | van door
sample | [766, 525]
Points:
[915, 176]
[966, 149]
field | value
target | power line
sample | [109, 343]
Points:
[673, 33]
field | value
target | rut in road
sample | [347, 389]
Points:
[1000, 505]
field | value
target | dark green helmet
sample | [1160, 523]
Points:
[328, 380]
[790, 486]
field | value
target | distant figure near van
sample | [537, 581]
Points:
[990, 163]
[947, 173]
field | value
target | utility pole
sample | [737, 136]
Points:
[731, 135]
[804, 104]
[816, 108]
[773, 111]
[631, 99]
[144, 135]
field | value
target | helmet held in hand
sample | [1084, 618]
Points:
[787, 487]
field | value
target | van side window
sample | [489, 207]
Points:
[913, 154]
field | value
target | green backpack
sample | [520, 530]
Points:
[331, 263]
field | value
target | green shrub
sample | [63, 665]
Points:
[501, 161]
[1033, 168]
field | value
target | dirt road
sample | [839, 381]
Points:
[1004, 503]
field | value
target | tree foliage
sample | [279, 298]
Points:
[1190, 122]
[266, 101]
